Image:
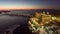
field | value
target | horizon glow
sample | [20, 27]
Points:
[29, 4]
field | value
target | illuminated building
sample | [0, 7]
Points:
[38, 22]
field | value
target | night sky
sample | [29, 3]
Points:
[29, 4]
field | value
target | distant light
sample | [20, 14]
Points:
[53, 18]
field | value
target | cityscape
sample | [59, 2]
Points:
[29, 16]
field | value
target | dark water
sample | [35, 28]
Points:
[7, 21]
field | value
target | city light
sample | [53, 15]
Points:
[42, 22]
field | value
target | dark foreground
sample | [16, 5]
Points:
[13, 24]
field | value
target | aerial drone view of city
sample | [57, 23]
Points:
[29, 16]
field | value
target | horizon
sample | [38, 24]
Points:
[29, 4]
[29, 9]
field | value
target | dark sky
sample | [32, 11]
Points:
[29, 4]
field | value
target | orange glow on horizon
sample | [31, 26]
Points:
[16, 8]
